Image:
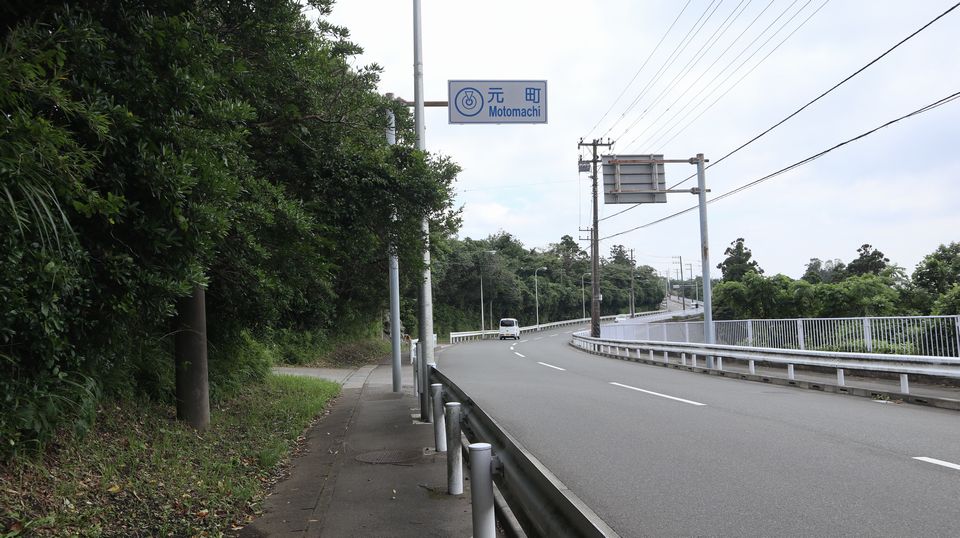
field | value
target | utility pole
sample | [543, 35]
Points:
[633, 302]
[683, 292]
[595, 241]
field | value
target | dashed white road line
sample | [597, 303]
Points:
[552, 366]
[552, 335]
[938, 462]
[519, 355]
[691, 402]
[538, 338]
[568, 332]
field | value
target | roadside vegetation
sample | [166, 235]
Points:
[138, 472]
[869, 285]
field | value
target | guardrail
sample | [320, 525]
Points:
[464, 336]
[904, 365]
[541, 503]
[905, 335]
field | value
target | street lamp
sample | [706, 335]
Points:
[583, 296]
[483, 325]
[536, 292]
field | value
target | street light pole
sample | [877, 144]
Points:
[583, 296]
[426, 283]
[536, 292]
[483, 325]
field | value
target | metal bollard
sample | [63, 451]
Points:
[840, 381]
[666, 359]
[693, 360]
[651, 354]
[439, 429]
[904, 384]
[719, 363]
[683, 359]
[454, 454]
[790, 372]
[481, 491]
[753, 367]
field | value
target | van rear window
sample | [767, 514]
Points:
[507, 323]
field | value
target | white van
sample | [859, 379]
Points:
[509, 328]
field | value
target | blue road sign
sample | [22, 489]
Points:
[497, 101]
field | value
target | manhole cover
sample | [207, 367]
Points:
[390, 456]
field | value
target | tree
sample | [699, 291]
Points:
[939, 271]
[869, 262]
[949, 303]
[620, 256]
[818, 271]
[738, 262]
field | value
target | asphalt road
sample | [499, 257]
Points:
[662, 452]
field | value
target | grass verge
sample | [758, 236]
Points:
[141, 473]
[352, 353]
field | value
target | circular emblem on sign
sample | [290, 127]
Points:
[469, 101]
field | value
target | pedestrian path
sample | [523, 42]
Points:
[366, 471]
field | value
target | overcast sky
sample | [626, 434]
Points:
[897, 189]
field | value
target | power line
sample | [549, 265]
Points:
[635, 75]
[744, 51]
[683, 43]
[704, 49]
[667, 86]
[801, 109]
[927, 108]
[735, 84]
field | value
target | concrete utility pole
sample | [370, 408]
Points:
[190, 359]
[595, 242]
[633, 302]
[683, 292]
[426, 284]
[394, 276]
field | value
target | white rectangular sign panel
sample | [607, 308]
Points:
[497, 101]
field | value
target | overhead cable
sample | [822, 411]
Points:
[635, 75]
[801, 109]
[927, 108]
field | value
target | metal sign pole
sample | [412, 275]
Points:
[708, 330]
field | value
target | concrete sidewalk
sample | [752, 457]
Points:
[365, 471]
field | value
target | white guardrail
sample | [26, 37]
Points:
[686, 354]
[464, 336]
[905, 335]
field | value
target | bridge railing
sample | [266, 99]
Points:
[935, 336]
[686, 354]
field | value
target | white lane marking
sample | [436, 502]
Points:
[938, 462]
[522, 341]
[691, 402]
[568, 332]
[552, 335]
[552, 366]
[538, 338]
[519, 355]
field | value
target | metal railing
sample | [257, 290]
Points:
[464, 336]
[681, 353]
[541, 503]
[935, 336]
